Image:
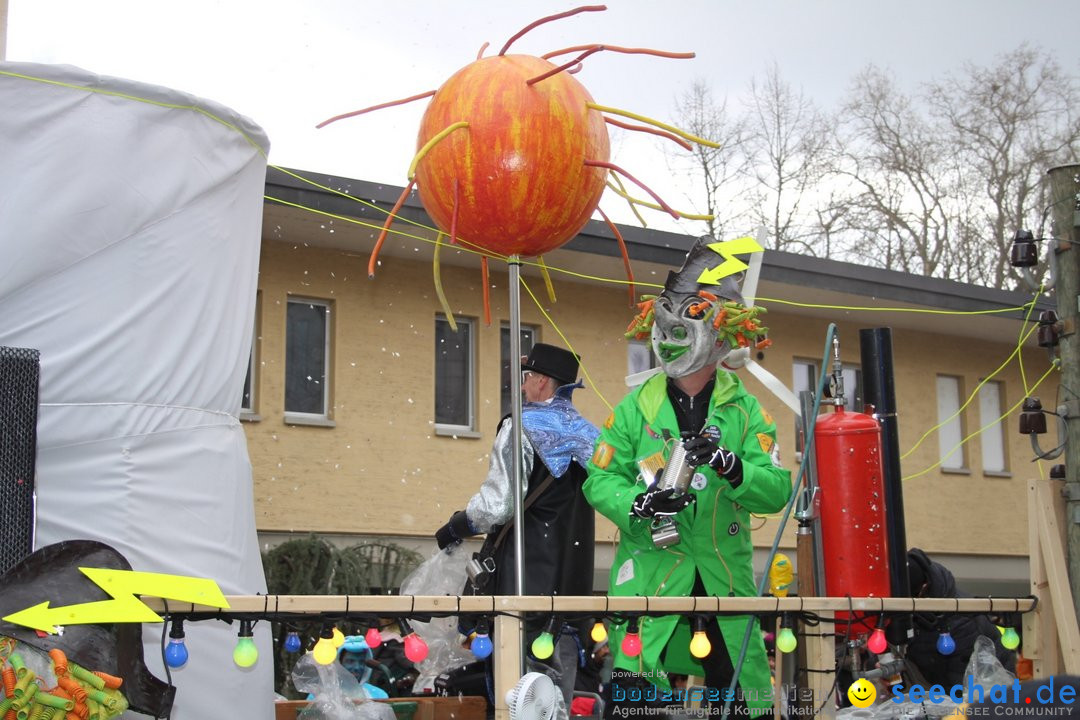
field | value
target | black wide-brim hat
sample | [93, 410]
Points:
[555, 362]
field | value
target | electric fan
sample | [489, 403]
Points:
[532, 698]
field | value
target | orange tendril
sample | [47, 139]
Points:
[641, 128]
[659, 201]
[392, 103]
[640, 327]
[565, 66]
[386, 228]
[59, 661]
[625, 254]
[549, 18]
[111, 681]
[626, 50]
[487, 289]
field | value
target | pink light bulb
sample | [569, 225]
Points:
[415, 648]
[631, 644]
[877, 643]
[373, 637]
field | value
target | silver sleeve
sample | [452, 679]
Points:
[494, 503]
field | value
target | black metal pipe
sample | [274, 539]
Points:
[879, 390]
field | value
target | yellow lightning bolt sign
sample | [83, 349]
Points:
[124, 607]
[731, 265]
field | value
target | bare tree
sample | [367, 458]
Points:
[938, 185]
[1009, 123]
[902, 180]
[716, 173]
[787, 145]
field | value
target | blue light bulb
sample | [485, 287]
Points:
[481, 646]
[945, 644]
[292, 642]
[176, 653]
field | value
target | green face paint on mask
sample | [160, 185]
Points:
[669, 352]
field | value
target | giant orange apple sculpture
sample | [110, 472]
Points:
[513, 153]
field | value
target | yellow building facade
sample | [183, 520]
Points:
[363, 450]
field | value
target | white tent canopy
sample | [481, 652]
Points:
[129, 241]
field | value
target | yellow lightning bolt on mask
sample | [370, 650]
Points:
[122, 586]
[728, 249]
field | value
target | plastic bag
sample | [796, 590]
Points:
[983, 667]
[441, 574]
[335, 693]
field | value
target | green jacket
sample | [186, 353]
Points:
[715, 531]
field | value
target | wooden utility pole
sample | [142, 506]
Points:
[1065, 204]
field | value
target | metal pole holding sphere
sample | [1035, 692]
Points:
[515, 416]
[1065, 212]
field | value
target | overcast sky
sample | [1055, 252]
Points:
[288, 65]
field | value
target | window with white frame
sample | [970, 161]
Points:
[507, 363]
[991, 408]
[454, 371]
[950, 423]
[639, 356]
[804, 378]
[307, 359]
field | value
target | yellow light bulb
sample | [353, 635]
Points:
[339, 638]
[599, 632]
[324, 651]
[700, 646]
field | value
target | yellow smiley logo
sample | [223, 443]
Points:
[862, 693]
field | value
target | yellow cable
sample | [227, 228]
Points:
[364, 223]
[622, 191]
[136, 98]
[1023, 375]
[547, 278]
[637, 201]
[437, 275]
[584, 370]
[435, 140]
[656, 123]
[974, 393]
[891, 309]
[980, 430]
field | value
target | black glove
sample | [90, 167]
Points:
[454, 531]
[660, 502]
[703, 450]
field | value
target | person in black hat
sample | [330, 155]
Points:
[558, 523]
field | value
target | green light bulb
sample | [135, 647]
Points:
[1010, 638]
[543, 646]
[245, 653]
[785, 640]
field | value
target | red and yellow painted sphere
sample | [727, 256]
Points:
[523, 186]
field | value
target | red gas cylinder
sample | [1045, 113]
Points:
[852, 494]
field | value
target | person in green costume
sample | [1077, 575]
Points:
[729, 441]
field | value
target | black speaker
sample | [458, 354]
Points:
[19, 373]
